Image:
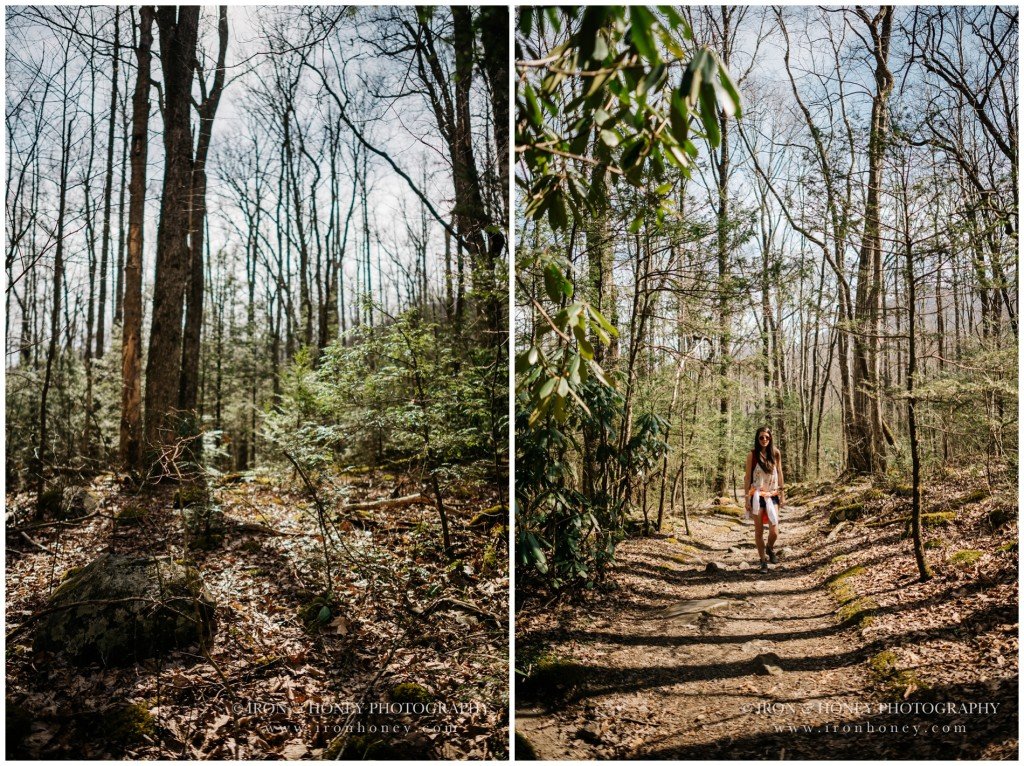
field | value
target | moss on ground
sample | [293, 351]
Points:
[884, 663]
[411, 693]
[858, 612]
[938, 519]
[965, 557]
[934, 544]
[128, 725]
[1010, 547]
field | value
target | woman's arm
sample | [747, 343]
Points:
[748, 477]
[782, 482]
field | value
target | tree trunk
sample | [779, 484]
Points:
[108, 192]
[131, 337]
[189, 381]
[178, 32]
[867, 448]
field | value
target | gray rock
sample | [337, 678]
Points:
[714, 566]
[118, 609]
[768, 664]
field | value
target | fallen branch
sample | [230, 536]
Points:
[36, 544]
[451, 603]
[389, 502]
[42, 525]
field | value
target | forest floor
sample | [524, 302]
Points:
[404, 615]
[673, 661]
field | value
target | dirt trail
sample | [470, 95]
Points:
[651, 674]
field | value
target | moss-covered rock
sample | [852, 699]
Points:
[1001, 515]
[63, 502]
[965, 557]
[119, 609]
[191, 493]
[732, 509]
[206, 526]
[975, 496]
[126, 725]
[48, 504]
[847, 512]
[884, 663]
[411, 693]
[551, 677]
[132, 515]
[902, 490]
[859, 611]
[898, 683]
[938, 519]
[496, 514]
[489, 562]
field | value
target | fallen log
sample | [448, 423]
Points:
[389, 502]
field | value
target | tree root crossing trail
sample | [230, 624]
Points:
[696, 654]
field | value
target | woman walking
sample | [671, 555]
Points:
[763, 487]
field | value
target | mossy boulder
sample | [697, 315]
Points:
[62, 502]
[191, 493]
[902, 490]
[120, 609]
[206, 526]
[496, 514]
[132, 515]
[127, 724]
[551, 678]
[938, 519]
[1001, 515]
[859, 612]
[847, 512]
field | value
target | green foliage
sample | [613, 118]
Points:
[392, 393]
[609, 84]
[601, 106]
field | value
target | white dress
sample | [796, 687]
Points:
[765, 484]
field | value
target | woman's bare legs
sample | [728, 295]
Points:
[759, 536]
[773, 535]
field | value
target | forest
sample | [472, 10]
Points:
[804, 219]
[257, 431]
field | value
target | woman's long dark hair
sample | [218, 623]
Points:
[765, 458]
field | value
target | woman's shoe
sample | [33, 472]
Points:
[764, 567]
[772, 557]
